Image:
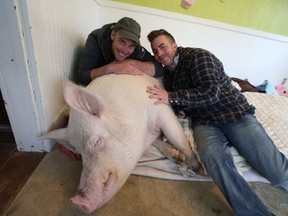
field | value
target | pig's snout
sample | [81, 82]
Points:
[83, 204]
[87, 200]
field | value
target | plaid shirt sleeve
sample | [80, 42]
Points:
[199, 80]
[200, 86]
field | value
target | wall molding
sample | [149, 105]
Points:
[190, 19]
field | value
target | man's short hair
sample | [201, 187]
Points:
[156, 33]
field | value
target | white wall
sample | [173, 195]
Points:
[39, 46]
[18, 76]
[245, 53]
[54, 30]
[59, 28]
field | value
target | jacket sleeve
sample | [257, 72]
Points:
[143, 55]
[91, 58]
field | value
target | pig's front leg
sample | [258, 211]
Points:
[179, 157]
[170, 151]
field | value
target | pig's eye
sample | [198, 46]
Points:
[95, 143]
[98, 143]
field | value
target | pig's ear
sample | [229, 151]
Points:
[59, 135]
[78, 98]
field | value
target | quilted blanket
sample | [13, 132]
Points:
[272, 113]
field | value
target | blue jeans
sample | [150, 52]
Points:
[252, 142]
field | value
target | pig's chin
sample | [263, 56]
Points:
[92, 200]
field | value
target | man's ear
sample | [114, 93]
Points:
[113, 34]
[174, 45]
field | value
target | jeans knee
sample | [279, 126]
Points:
[215, 159]
[207, 155]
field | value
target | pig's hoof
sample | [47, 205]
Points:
[180, 160]
[181, 156]
[83, 206]
[199, 170]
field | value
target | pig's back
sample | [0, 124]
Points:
[125, 98]
[127, 88]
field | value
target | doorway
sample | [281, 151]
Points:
[7, 141]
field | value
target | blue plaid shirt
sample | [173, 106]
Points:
[200, 87]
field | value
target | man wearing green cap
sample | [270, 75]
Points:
[115, 48]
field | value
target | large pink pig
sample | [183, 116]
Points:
[111, 123]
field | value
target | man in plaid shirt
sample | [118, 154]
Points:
[197, 86]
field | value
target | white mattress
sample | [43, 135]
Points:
[271, 111]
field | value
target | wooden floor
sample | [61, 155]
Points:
[15, 167]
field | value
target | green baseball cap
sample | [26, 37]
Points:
[128, 28]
